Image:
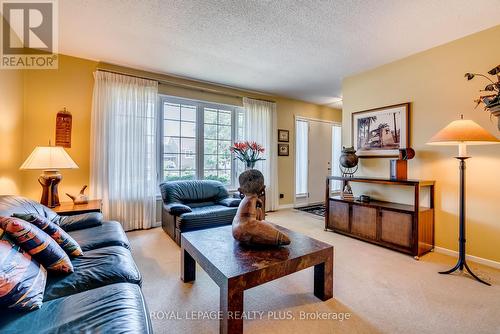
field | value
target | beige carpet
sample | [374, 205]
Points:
[383, 291]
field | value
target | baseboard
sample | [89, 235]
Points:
[480, 260]
[285, 206]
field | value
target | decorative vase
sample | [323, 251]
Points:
[250, 165]
[495, 111]
[348, 158]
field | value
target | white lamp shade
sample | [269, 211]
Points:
[49, 158]
[463, 131]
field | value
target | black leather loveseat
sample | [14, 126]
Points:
[195, 205]
[102, 295]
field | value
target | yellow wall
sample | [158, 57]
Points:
[48, 91]
[11, 131]
[45, 93]
[433, 81]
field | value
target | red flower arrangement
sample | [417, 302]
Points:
[247, 152]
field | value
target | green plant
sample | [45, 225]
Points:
[490, 100]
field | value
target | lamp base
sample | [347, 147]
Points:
[461, 264]
[49, 181]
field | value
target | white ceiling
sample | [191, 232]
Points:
[300, 49]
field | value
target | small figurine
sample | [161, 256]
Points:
[81, 198]
[247, 228]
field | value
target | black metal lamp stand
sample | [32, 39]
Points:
[461, 250]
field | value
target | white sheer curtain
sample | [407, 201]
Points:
[261, 127]
[301, 157]
[123, 148]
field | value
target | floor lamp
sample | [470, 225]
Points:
[463, 132]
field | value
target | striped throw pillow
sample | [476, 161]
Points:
[37, 243]
[22, 279]
[62, 238]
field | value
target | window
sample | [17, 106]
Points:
[301, 160]
[196, 137]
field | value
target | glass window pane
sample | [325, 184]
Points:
[171, 175]
[210, 131]
[224, 161]
[210, 146]
[225, 117]
[223, 147]
[188, 175]
[301, 153]
[188, 129]
[171, 145]
[171, 128]
[188, 162]
[210, 175]
[224, 176]
[188, 145]
[210, 161]
[210, 116]
[171, 111]
[224, 132]
[188, 113]
[170, 161]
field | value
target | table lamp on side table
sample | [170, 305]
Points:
[49, 159]
[463, 132]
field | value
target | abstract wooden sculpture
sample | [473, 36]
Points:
[248, 228]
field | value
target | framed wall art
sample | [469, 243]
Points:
[283, 150]
[381, 132]
[283, 135]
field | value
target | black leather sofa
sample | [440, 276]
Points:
[103, 295]
[195, 205]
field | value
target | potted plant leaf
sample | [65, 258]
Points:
[491, 100]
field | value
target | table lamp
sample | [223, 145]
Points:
[463, 132]
[49, 159]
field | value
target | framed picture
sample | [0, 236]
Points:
[283, 150]
[283, 135]
[381, 132]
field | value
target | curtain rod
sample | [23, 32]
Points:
[176, 84]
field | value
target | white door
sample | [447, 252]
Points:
[320, 158]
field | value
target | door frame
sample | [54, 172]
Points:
[308, 119]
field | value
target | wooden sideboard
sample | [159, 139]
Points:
[401, 227]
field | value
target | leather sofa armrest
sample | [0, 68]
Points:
[78, 222]
[176, 209]
[230, 202]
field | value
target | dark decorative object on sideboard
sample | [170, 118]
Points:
[348, 166]
[405, 228]
[399, 167]
[492, 101]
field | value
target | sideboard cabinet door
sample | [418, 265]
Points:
[339, 216]
[364, 221]
[396, 227]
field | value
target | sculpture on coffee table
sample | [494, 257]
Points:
[248, 228]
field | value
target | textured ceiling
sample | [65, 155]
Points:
[300, 49]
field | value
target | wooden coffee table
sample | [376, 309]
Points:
[236, 268]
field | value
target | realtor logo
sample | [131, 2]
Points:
[29, 34]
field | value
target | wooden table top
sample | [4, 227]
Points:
[217, 248]
[66, 207]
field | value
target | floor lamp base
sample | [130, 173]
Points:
[461, 264]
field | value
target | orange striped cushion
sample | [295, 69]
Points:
[37, 243]
[62, 238]
[22, 279]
